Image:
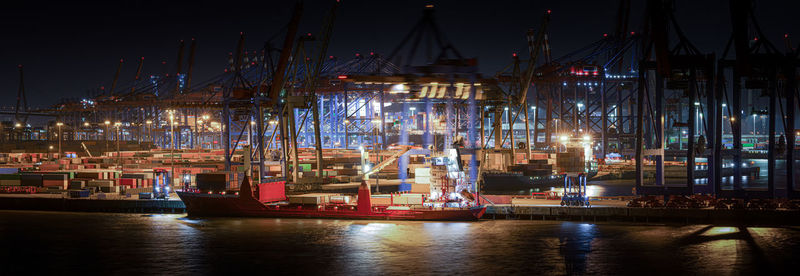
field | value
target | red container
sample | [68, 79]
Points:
[272, 191]
[127, 182]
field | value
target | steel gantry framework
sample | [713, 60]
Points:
[650, 96]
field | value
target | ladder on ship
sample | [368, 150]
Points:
[386, 162]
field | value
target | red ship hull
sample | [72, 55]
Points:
[204, 205]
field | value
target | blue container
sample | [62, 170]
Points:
[8, 170]
[404, 187]
[79, 193]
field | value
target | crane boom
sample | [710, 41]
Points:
[138, 74]
[191, 65]
[311, 83]
[286, 52]
[528, 77]
[21, 98]
[116, 77]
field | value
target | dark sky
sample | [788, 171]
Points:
[69, 47]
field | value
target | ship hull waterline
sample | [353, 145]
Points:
[203, 205]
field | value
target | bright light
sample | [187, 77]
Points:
[252, 123]
[59, 124]
[720, 230]
[587, 153]
[398, 88]
[366, 168]
[86, 124]
[733, 118]
[361, 148]
[696, 103]
[205, 117]
[117, 124]
[563, 138]
[580, 105]
[346, 121]
[724, 105]
[17, 125]
[412, 108]
[273, 122]
[148, 122]
[587, 138]
[107, 122]
[533, 107]
[200, 122]
[51, 146]
[506, 108]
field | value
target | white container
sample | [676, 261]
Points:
[339, 199]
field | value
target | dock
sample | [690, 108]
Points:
[48, 202]
[616, 211]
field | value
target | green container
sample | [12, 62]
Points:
[70, 175]
[9, 176]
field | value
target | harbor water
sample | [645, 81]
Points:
[124, 244]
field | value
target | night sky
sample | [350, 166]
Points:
[68, 48]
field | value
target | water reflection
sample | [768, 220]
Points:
[575, 244]
[172, 244]
[728, 250]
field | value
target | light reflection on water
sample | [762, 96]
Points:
[173, 244]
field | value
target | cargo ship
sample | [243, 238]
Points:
[538, 175]
[244, 204]
[517, 183]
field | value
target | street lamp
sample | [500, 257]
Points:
[85, 131]
[59, 124]
[375, 128]
[149, 130]
[119, 158]
[535, 126]
[200, 133]
[107, 123]
[17, 125]
[172, 139]
[172, 129]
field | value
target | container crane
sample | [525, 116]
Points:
[311, 84]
